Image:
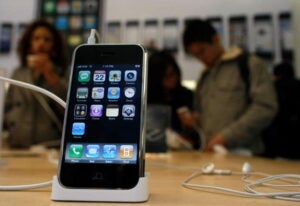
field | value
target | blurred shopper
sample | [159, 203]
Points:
[164, 87]
[229, 113]
[30, 117]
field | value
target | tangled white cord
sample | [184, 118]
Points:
[249, 191]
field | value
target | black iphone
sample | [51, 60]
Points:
[103, 136]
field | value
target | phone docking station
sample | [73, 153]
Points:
[140, 193]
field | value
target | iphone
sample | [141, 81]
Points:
[103, 135]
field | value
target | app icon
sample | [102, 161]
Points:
[84, 76]
[130, 75]
[76, 150]
[49, 7]
[82, 93]
[99, 76]
[74, 39]
[92, 150]
[96, 110]
[80, 110]
[62, 23]
[78, 128]
[75, 22]
[113, 93]
[62, 7]
[76, 6]
[91, 6]
[129, 92]
[128, 110]
[98, 92]
[112, 111]
[90, 22]
[109, 151]
[115, 76]
[126, 151]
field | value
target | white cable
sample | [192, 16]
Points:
[35, 88]
[292, 182]
[52, 96]
[25, 187]
[186, 183]
[94, 36]
[281, 195]
[290, 196]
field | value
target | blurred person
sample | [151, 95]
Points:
[282, 138]
[229, 113]
[30, 117]
[164, 88]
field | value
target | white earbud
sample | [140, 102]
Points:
[210, 169]
[247, 168]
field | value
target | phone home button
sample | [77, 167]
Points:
[97, 176]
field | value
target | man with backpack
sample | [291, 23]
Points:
[235, 98]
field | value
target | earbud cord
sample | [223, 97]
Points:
[291, 196]
[292, 183]
[186, 183]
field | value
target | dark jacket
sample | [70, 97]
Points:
[282, 138]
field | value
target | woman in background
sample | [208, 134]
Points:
[164, 87]
[30, 117]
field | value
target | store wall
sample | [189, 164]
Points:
[124, 11]
[16, 11]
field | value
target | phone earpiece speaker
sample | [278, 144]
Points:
[105, 54]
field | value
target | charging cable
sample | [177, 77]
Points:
[52, 96]
[35, 88]
[94, 36]
[25, 187]
[92, 39]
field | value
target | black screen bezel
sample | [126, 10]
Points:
[124, 176]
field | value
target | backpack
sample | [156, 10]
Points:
[273, 142]
[244, 69]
